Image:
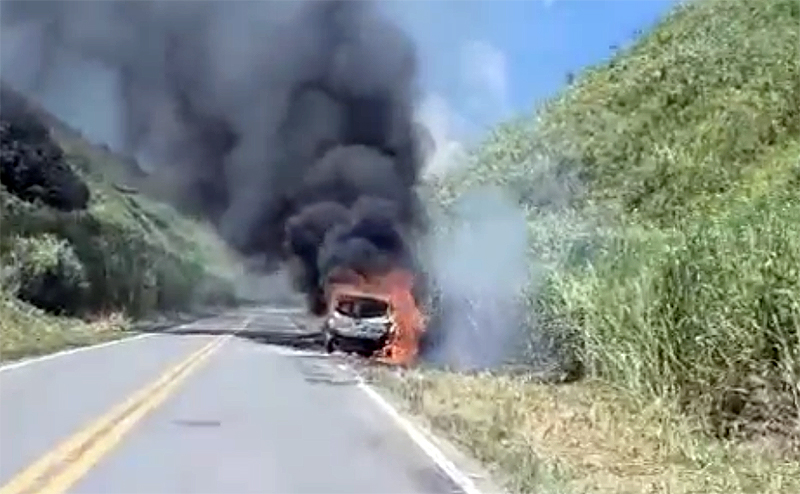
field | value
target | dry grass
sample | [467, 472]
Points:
[586, 437]
[27, 331]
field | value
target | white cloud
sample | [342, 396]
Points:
[485, 73]
[483, 100]
[446, 128]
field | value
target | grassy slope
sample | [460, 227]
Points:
[687, 147]
[132, 257]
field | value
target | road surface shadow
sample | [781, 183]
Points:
[167, 320]
[294, 339]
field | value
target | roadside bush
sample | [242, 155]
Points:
[45, 272]
[32, 164]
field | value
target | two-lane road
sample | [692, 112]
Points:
[204, 414]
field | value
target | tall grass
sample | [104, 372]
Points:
[663, 190]
[707, 314]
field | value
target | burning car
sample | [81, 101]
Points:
[374, 317]
[358, 322]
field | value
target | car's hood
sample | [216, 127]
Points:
[367, 327]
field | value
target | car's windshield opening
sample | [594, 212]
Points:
[360, 307]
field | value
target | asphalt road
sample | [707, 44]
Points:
[203, 413]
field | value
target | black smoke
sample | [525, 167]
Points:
[289, 124]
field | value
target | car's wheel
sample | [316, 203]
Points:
[330, 343]
[365, 352]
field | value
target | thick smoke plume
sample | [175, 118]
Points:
[288, 124]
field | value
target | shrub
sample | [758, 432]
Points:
[45, 272]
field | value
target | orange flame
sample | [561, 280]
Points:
[395, 286]
[403, 347]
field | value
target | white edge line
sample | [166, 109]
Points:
[448, 467]
[70, 351]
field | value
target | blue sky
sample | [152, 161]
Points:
[523, 49]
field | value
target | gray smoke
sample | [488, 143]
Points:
[478, 262]
[260, 109]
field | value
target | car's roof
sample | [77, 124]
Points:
[346, 291]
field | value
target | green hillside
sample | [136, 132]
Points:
[663, 192]
[80, 252]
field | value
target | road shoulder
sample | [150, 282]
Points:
[478, 478]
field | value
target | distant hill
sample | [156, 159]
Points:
[79, 240]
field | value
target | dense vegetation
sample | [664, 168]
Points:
[75, 243]
[663, 194]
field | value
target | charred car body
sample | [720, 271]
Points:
[375, 317]
[358, 322]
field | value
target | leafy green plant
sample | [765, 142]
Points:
[45, 271]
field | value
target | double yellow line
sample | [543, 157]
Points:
[59, 469]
